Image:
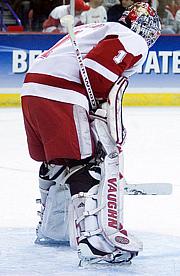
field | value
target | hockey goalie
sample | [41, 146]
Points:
[81, 175]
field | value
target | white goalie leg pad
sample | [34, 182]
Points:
[113, 164]
[114, 110]
[96, 227]
[109, 217]
[55, 199]
[55, 218]
[110, 192]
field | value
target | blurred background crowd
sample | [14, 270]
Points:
[45, 15]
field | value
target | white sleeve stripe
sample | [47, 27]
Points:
[54, 93]
[100, 69]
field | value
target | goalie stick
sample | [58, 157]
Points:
[148, 189]
[68, 22]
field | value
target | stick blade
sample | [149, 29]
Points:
[148, 189]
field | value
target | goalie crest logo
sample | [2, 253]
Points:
[113, 155]
[122, 240]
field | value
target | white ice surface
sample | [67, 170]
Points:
[152, 154]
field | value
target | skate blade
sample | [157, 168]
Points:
[86, 263]
[51, 243]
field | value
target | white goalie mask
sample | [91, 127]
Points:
[143, 19]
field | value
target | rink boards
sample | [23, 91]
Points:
[130, 99]
[158, 83]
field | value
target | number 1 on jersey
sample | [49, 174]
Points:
[120, 56]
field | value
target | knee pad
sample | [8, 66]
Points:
[83, 177]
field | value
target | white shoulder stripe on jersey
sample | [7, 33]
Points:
[95, 66]
[54, 93]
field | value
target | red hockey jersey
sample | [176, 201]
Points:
[109, 50]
